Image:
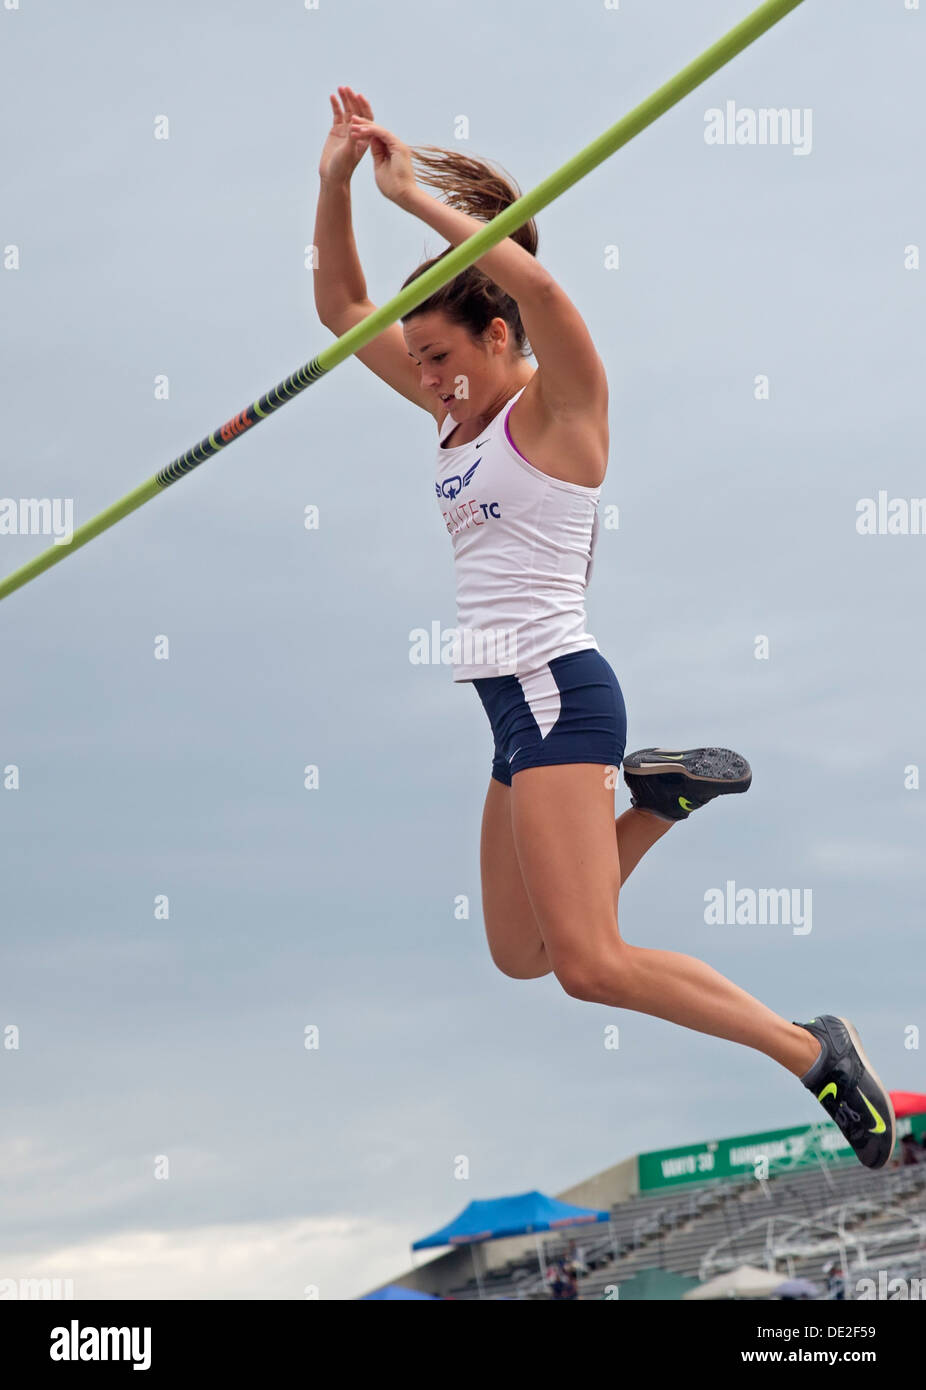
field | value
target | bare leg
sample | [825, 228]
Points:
[637, 831]
[562, 822]
[686, 991]
[515, 942]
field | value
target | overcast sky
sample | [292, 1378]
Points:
[141, 1038]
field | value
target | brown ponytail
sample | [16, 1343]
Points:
[471, 299]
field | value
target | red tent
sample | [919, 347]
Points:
[908, 1103]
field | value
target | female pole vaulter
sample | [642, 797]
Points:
[521, 457]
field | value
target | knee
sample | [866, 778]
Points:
[601, 979]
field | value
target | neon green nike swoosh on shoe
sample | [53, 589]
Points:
[879, 1126]
[686, 805]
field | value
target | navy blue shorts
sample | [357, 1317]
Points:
[569, 711]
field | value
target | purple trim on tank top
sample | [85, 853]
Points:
[510, 440]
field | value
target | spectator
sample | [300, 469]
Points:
[908, 1150]
[562, 1280]
[835, 1280]
[556, 1279]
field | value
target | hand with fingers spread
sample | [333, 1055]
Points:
[341, 155]
[392, 161]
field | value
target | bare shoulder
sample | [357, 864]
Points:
[569, 445]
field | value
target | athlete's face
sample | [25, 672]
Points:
[463, 371]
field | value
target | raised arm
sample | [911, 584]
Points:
[340, 288]
[571, 378]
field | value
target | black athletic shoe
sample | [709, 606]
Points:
[843, 1082]
[672, 785]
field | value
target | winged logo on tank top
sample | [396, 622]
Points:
[452, 487]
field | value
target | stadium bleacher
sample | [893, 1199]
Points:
[796, 1223]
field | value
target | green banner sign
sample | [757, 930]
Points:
[756, 1155]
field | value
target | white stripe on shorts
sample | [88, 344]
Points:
[542, 695]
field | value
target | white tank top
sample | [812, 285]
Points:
[523, 545]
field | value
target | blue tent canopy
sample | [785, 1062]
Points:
[510, 1216]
